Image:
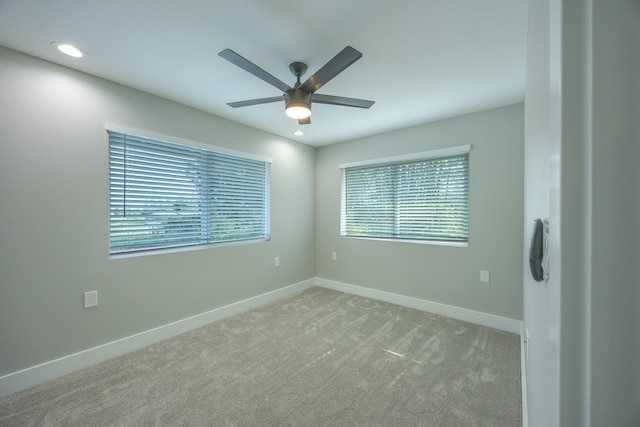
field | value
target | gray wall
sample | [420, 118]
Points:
[443, 274]
[54, 225]
[614, 294]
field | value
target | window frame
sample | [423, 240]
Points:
[450, 152]
[188, 144]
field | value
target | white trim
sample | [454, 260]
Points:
[412, 241]
[138, 253]
[34, 375]
[423, 155]
[472, 316]
[177, 140]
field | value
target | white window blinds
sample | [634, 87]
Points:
[167, 195]
[417, 199]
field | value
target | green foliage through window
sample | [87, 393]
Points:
[166, 195]
[417, 199]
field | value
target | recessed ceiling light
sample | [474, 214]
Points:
[298, 133]
[68, 49]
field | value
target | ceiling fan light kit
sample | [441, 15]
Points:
[298, 98]
[297, 104]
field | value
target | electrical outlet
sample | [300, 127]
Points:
[484, 276]
[334, 256]
[277, 261]
[90, 299]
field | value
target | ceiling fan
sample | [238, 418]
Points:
[298, 98]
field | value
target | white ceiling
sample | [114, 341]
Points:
[423, 60]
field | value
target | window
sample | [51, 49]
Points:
[168, 195]
[419, 197]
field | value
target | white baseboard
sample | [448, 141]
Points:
[34, 375]
[477, 317]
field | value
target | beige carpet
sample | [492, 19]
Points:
[319, 358]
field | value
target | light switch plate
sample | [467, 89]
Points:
[484, 276]
[90, 299]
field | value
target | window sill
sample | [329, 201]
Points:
[185, 248]
[413, 241]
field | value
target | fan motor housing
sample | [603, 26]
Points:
[297, 98]
[297, 104]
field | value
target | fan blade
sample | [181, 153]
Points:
[340, 100]
[255, 101]
[252, 68]
[306, 121]
[335, 66]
